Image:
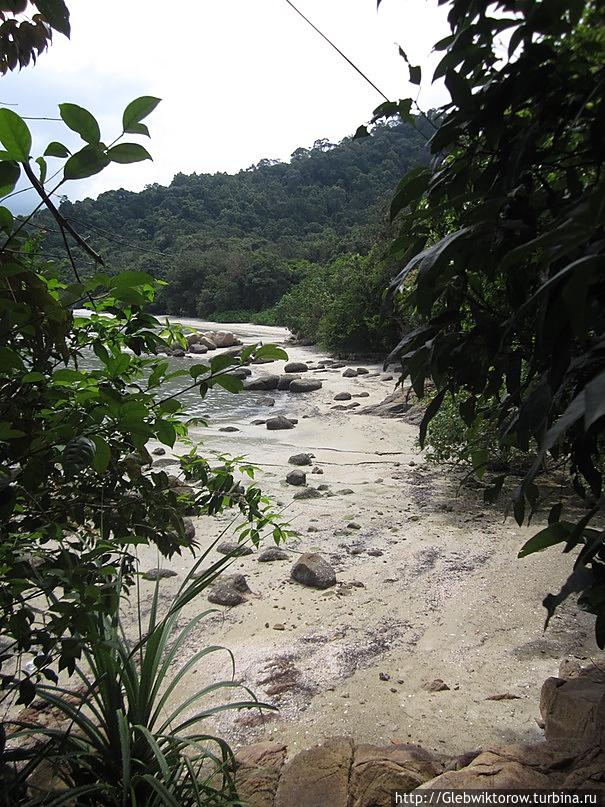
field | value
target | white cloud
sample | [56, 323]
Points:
[240, 80]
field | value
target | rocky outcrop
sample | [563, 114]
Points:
[317, 776]
[341, 773]
[574, 709]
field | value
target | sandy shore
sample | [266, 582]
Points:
[442, 594]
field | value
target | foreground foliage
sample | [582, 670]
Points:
[502, 245]
[125, 737]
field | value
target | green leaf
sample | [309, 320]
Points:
[136, 111]
[271, 352]
[80, 120]
[128, 153]
[229, 382]
[85, 163]
[56, 149]
[165, 432]
[9, 360]
[15, 136]
[102, 454]
[479, 459]
[219, 363]
[555, 533]
[10, 171]
[43, 169]
[56, 13]
[410, 189]
[6, 220]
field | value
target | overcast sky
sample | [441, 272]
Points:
[239, 79]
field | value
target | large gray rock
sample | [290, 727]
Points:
[207, 342]
[224, 594]
[305, 385]
[189, 530]
[362, 370]
[342, 396]
[272, 554]
[279, 422]
[285, 381]
[312, 570]
[308, 493]
[225, 339]
[236, 581]
[300, 459]
[228, 548]
[195, 348]
[296, 367]
[158, 574]
[349, 373]
[296, 477]
[265, 383]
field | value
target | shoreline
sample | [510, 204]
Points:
[428, 587]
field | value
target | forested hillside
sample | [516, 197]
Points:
[230, 246]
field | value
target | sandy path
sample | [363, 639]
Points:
[443, 594]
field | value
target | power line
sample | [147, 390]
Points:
[337, 49]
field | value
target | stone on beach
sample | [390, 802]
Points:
[263, 382]
[158, 574]
[272, 554]
[228, 548]
[300, 459]
[296, 477]
[311, 569]
[305, 385]
[225, 594]
[296, 367]
[349, 373]
[342, 396]
[308, 493]
[279, 422]
[285, 381]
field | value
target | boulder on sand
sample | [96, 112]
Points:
[225, 594]
[227, 548]
[314, 571]
[273, 553]
[296, 477]
[285, 381]
[342, 396]
[349, 373]
[296, 367]
[308, 493]
[263, 382]
[305, 385]
[279, 422]
[300, 459]
[198, 349]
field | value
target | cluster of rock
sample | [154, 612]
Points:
[202, 342]
[310, 570]
[343, 773]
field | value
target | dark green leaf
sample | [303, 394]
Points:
[56, 149]
[229, 382]
[555, 533]
[270, 352]
[56, 14]
[80, 120]
[15, 136]
[102, 454]
[43, 169]
[165, 432]
[415, 74]
[10, 171]
[136, 111]
[85, 163]
[128, 153]
[6, 220]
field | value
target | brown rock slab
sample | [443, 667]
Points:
[318, 777]
[574, 710]
[437, 685]
[377, 772]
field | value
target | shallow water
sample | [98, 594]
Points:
[219, 405]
